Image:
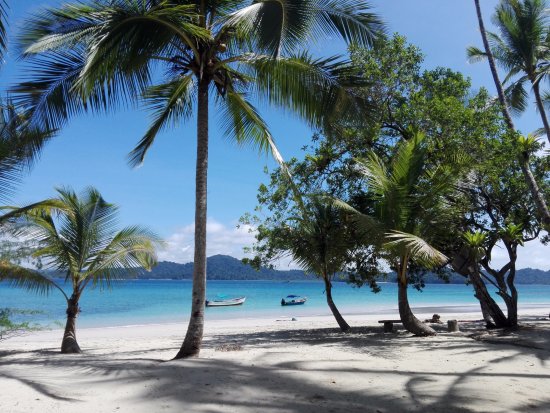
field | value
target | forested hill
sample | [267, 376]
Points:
[223, 267]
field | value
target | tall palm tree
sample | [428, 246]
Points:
[93, 55]
[523, 157]
[78, 237]
[409, 204]
[522, 48]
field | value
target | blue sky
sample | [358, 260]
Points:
[92, 150]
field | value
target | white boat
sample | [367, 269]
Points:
[225, 302]
[293, 300]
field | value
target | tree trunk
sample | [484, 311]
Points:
[485, 299]
[344, 326]
[193, 339]
[540, 202]
[536, 193]
[486, 314]
[69, 345]
[410, 322]
[542, 111]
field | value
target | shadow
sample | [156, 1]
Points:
[364, 370]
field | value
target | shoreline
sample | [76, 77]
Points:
[157, 329]
[421, 311]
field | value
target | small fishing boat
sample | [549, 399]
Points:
[293, 300]
[225, 302]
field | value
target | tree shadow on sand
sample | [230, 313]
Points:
[228, 381]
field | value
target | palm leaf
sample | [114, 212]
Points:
[170, 104]
[278, 27]
[3, 27]
[30, 280]
[317, 90]
[418, 249]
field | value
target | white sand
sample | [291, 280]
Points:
[279, 366]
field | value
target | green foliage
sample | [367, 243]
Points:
[10, 328]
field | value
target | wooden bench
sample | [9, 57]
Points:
[388, 324]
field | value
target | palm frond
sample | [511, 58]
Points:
[20, 146]
[366, 224]
[27, 279]
[316, 90]
[131, 249]
[517, 96]
[48, 206]
[283, 26]
[170, 104]
[3, 27]
[475, 54]
[418, 249]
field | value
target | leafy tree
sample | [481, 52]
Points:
[93, 55]
[9, 328]
[522, 48]
[317, 238]
[499, 213]
[80, 239]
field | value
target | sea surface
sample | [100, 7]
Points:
[139, 302]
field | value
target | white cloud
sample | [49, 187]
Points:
[220, 239]
[533, 255]
[230, 240]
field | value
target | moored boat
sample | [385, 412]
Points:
[225, 302]
[293, 300]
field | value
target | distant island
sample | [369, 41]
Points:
[224, 267]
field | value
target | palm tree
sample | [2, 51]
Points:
[522, 48]
[523, 157]
[78, 237]
[90, 56]
[409, 209]
[319, 243]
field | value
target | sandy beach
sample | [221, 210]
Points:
[267, 365]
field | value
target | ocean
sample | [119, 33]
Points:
[138, 302]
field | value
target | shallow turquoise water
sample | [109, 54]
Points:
[147, 301]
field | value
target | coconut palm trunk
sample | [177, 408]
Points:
[193, 339]
[69, 344]
[344, 326]
[536, 193]
[540, 107]
[410, 322]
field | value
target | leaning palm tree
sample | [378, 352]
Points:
[409, 210]
[318, 241]
[93, 55]
[523, 49]
[78, 237]
[523, 156]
